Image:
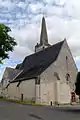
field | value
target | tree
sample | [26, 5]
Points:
[7, 42]
[77, 84]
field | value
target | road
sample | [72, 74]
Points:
[13, 111]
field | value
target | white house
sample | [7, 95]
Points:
[47, 75]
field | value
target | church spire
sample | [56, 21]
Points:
[43, 36]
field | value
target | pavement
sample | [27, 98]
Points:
[13, 111]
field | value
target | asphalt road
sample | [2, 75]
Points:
[12, 111]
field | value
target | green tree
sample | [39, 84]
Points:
[77, 84]
[7, 42]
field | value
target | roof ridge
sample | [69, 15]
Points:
[53, 45]
[44, 49]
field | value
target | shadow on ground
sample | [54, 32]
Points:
[69, 110]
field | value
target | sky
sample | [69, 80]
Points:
[24, 18]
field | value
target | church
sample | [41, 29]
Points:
[48, 75]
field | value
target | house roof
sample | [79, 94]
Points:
[33, 65]
[11, 73]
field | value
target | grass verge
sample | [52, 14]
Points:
[32, 103]
[21, 102]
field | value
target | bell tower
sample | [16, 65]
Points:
[43, 37]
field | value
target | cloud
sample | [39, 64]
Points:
[36, 8]
[24, 18]
[21, 5]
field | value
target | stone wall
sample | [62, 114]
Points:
[27, 88]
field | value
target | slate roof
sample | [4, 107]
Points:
[11, 73]
[33, 65]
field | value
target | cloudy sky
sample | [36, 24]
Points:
[24, 19]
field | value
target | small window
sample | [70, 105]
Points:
[66, 57]
[67, 77]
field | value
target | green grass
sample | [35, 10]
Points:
[21, 102]
[32, 103]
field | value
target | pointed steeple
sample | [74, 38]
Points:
[43, 36]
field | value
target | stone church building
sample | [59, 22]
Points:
[47, 75]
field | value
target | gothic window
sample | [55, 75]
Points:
[67, 77]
